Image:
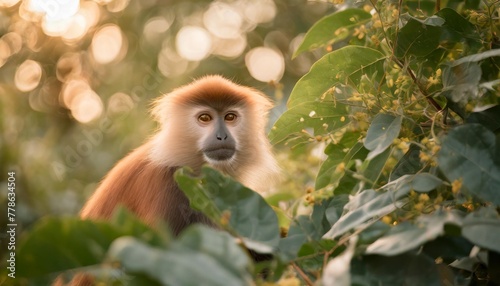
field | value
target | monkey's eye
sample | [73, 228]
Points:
[230, 117]
[204, 118]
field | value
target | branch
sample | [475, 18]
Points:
[302, 274]
[422, 90]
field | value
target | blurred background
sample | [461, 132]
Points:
[77, 79]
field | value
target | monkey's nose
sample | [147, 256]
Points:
[221, 137]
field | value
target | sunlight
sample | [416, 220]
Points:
[28, 75]
[10, 44]
[265, 64]
[193, 43]
[86, 106]
[55, 10]
[71, 89]
[230, 48]
[155, 27]
[223, 21]
[107, 44]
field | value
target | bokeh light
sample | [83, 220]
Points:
[68, 65]
[86, 106]
[116, 6]
[265, 64]
[170, 63]
[54, 10]
[71, 89]
[120, 103]
[28, 75]
[156, 26]
[10, 44]
[259, 11]
[193, 43]
[230, 48]
[223, 21]
[107, 44]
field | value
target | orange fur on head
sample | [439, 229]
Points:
[143, 181]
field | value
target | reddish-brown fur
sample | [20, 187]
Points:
[144, 188]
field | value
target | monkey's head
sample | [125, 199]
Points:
[214, 121]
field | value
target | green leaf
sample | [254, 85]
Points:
[483, 228]
[476, 57]
[381, 133]
[425, 182]
[405, 236]
[405, 269]
[347, 64]
[304, 229]
[468, 153]
[372, 169]
[490, 118]
[457, 29]
[322, 117]
[417, 38]
[448, 246]
[328, 30]
[216, 195]
[335, 208]
[301, 231]
[409, 164]
[58, 244]
[200, 254]
[329, 174]
[461, 82]
[461, 77]
[367, 205]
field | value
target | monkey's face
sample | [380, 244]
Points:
[219, 130]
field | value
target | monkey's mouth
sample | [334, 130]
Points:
[220, 154]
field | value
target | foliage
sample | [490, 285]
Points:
[405, 106]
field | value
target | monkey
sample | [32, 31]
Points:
[211, 121]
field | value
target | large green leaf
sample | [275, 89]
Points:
[461, 78]
[322, 117]
[405, 236]
[58, 244]
[490, 118]
[476, 57]
[371, 204]
[425, 182]
[468, 153]
[332, 28]
[483, 228]
[346, 65]
[220, 197]
[410, 268]
[461, 82]
[457, 29]
[381, 133]
[201, 255]
[418, 38]
[372, 168]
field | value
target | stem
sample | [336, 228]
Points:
[302, 274]
[420, 88]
